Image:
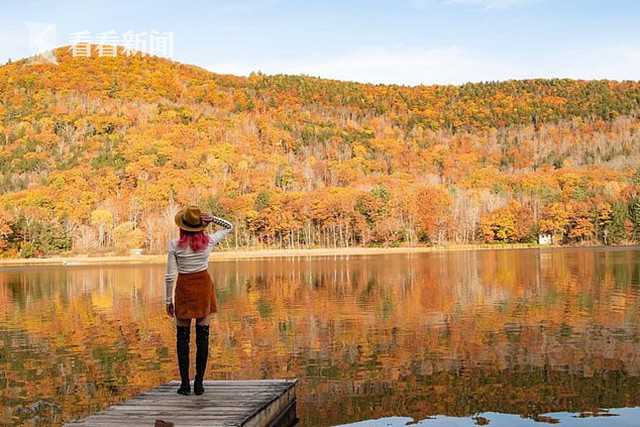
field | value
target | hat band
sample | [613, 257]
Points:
[190, 223]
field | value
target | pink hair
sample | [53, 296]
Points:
[196, 240]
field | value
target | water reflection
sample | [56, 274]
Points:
[588, 419]
[525, 332]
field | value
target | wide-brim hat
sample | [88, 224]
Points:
[188, 219]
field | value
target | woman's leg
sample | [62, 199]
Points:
[203, 320]
[202, 353]
[183, 322]
[183, 331]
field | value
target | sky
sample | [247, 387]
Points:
[406, 42]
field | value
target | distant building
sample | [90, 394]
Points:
[544, 239]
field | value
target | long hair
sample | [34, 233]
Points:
[196, 240]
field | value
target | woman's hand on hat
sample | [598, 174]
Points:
[206, 218]
[170, 309]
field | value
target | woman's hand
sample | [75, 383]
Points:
[170, 309]
[206, 218]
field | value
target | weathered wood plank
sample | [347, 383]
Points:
[244, 403]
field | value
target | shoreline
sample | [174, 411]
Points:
[247, 254]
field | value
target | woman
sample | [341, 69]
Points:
[195, 296]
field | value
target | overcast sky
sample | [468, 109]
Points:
[401, 41]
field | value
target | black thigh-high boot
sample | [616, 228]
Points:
[202, 354]
[182, 347]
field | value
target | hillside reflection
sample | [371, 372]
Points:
[523, 332]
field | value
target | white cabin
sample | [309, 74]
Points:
[544, 239]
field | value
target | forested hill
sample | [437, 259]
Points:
[96, 154]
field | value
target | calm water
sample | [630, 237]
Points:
[511, 337]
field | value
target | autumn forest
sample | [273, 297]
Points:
[97, 154]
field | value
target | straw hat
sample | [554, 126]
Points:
[189, 219]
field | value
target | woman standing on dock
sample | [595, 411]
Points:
[195, 296]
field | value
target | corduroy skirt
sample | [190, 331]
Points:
[195, 295]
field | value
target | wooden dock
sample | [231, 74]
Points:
[255, 403]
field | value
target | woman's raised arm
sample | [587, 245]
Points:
[227, 227]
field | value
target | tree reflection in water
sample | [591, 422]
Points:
[524, 332]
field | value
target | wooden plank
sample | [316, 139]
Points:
[271, 410]
[247, 403]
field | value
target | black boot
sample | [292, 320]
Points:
[202, 354]
[182, 347]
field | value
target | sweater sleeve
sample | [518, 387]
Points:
[170, 275]
[217, 237]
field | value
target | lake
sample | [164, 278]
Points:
[509, 337]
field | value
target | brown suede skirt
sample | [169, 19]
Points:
[195, 295]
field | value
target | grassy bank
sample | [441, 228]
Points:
[257, 253]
